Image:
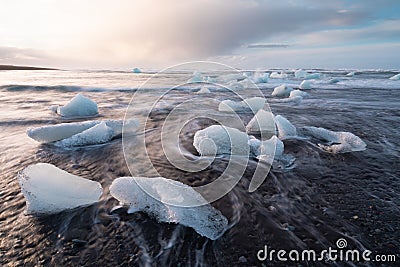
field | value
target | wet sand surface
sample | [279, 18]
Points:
[321, 198]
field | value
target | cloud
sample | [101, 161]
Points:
[196, 29]
[384, 31]
[156, 30]
[159, 33]
[12, 55]
[363, 57]
[268, 46]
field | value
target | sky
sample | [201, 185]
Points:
[154, 34]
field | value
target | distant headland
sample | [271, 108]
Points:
[12, 67]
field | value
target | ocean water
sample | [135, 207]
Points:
[309, 204]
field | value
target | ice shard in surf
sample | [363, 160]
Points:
[48, 189]
[62, 131]
[336, 142]
[170, 201]
[78, 106]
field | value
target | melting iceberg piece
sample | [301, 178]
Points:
[300, 74]
[218, 140]
[98, 134]
[175, 203]
[282, 90]
[266, 151]
[247, 83]
[296, 100]
[128, 126]
[254, 104]
[276, 75]
[48, 189]
[270, 149]
[234, 86]
[350, 74]
[286, 130]
[204, 90]
[196, 78]
[57, 132]
[305, 85]
[260, 77]
[338, 142]
[230, 106]
[209, 79]
[79, 106]
[53, 108]
[254, 144]
[262, 122]
[137, 70]
[334, 80]
[297, 93]
[52, 133]
[315, 76]
[395, 77]
[231, 77]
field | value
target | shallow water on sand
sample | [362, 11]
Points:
[310, 205]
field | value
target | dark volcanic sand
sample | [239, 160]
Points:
[324, 197]
[11, 67]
